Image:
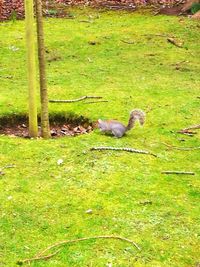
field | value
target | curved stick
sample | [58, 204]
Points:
[40, 256]
[75, 100]
[192, 127]
[181, 148]
[36, 258]
[89, 238]
[132, 150]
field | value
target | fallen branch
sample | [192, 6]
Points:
[189, 133]
[178, 172]
[181, 148]
[132, 150]
[186, 130]
[20, 262]
[75, 100]
[90, 238]
[41, 255]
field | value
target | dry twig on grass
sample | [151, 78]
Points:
[158, 35]
[41, 255]
[93, 102]
[178, 172]
[175, 42]
[189, 133]
[86, 21]
[37, 258]
[181, 148]
[127, 149]
[127, 42]
[75, 100]
[187, 130]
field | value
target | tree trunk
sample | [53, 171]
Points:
[196, 15]
[30, 43]
[188, 4]
[42, 70]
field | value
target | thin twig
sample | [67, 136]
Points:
[87, 21]
[9, 166]
[178, 172]
[20, 262]
[45, 257]
[185, 130]
[118, 7]
[89, 238]
[181, 148]
[74, 100]
[158, 35]
[132, 150]
[189, 133]
[127, 42]
[92, 102]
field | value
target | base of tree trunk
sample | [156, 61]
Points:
[188, 4]
[196, 15]
[60, 126]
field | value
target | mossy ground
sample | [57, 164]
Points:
[43, 202]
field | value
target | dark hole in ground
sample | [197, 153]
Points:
[60, 125]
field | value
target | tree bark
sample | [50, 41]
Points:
[196, 15]
[42, 71]
[30, 44]
[188, 4]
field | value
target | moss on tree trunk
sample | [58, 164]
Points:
[42, 70]
[30, 43]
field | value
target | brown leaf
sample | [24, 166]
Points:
[175, 42]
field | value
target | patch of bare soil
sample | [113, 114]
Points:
[171, 11]
[19, 128]
[14, 9]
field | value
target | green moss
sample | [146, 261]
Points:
[43, 202]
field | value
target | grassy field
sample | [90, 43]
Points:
[132, 65]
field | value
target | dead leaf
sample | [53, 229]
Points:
[175, 42]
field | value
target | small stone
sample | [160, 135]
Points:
[13, 48]
[89, 211]
[60, 161]
[53, 133]
[2, 173]
[92, 42]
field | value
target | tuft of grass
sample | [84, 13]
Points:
[195, 8]
[43, 202]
